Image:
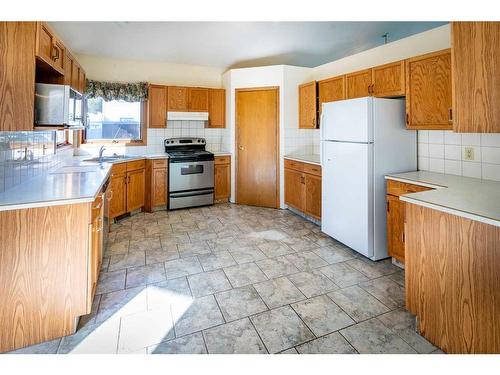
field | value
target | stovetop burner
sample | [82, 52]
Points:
[187, 148]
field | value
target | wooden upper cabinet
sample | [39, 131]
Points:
[48, 48]
[17, 75]
[389, 80]
[178, 99]
[217, 108]
[475, 58]
[308, 106]
[68, 68]
[330, 90]
[75, 75]
[157, 106]
[428, 91]
[82, 82]
[198, 99]
[358, 84]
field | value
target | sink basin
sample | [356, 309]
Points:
[110, 158]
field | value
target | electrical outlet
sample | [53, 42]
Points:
[469, 153]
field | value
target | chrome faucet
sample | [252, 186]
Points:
[101, 151]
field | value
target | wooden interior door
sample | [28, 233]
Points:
[257, 147]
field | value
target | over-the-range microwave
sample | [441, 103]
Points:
[58, 106]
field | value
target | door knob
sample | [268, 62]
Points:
[241, 148]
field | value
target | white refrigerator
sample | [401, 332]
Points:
[361, 141]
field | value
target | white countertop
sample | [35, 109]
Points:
[306, 158]
[471, 198]
[75, 181]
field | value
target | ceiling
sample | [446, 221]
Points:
[232, 44]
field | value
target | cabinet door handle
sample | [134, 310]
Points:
[110, 195]
[403, 237]
[450, 115]
[388, 206]
[314, 121]
[407, 119]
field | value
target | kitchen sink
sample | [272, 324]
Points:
[110, 158]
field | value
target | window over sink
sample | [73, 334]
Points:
[114, 121]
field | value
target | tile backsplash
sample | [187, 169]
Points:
[445, 152]
[27, 154]
[301, 141]
[214, 137]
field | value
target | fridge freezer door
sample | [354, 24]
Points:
[348, 120]
[347, 199]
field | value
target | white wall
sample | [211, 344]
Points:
[119, 70]
[418, 44]
[247, 78]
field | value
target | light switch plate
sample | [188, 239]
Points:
[469, 153]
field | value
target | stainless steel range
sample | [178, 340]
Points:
[190, 173]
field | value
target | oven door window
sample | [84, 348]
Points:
[192, 169]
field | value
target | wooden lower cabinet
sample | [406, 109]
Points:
[396, 216]
[136, 183]
[49, 265]
[222, 179]
[128, 184]
[96, 249]
[156, 183]
[118, 201]
[452, 281]
[303, 187]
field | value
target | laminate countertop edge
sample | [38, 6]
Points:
[470, 198]
[309, 159]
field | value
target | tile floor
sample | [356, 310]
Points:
[239, 279]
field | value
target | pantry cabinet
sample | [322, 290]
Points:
[428, 92]
[330, 90]
[303, 187]
[388, 80]
[396, 216]
[157, 106]
[475, 63]
[216, 108]
[308, 106]
[358, 84]
[222, 179]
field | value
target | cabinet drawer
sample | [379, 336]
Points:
[118, 169]
[138, 164]
[222, 160]
[292, 164]
[160, 163]
[312, 169]
[398, 188]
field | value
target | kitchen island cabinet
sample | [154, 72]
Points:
[452, 280]
[49, 265]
